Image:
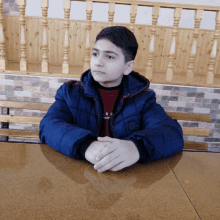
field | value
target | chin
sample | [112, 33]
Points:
[97, 78]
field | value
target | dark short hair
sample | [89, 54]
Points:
[123, 38]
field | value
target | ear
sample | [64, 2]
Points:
[130, 67]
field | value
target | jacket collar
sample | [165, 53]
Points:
[131, 84]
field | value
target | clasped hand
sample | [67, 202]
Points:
[117, 155]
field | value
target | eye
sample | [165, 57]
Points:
[108, 56]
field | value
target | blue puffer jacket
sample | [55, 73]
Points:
[73, 120]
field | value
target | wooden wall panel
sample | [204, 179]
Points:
[77, 44]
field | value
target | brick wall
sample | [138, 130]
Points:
[170, 97]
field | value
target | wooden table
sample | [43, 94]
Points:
[37, 182]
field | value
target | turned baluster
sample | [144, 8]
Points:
[198, 18]
[133, 13]
[2, 39]
[155, 15]
[177, 16]
[89, 7]
[210, 75]
[66, 68]
[44, 63]
[23, 60]
[111, 12]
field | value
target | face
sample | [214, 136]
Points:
[111, 65]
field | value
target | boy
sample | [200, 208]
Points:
[111, 102]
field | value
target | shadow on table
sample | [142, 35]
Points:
[104, 189]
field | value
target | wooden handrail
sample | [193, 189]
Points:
[159, 4]
[172, 47]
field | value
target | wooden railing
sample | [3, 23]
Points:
[111, 10]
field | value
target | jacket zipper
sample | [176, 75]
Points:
[98, 113]
[111, 119]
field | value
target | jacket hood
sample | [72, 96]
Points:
[131, 84]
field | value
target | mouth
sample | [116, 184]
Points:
[99, 72]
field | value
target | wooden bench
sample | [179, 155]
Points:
[29, 134]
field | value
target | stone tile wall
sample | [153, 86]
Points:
[171, 98]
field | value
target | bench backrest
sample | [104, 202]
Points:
[18, 133]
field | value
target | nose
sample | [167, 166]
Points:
[99, 61]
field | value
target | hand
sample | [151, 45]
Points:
[118, 155]
[94, 149]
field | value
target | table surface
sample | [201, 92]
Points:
[37, 182]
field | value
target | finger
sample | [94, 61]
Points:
[105, 151]
[118, 167]
[110, 164]
[107, 143]
[110, 154]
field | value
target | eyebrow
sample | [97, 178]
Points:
[107, 51]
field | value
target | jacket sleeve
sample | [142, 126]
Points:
[84, 145]
[57, 129]
[141, 149]
[161, 136]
